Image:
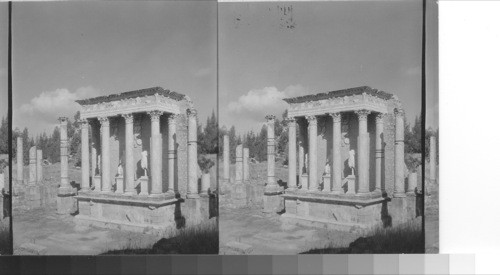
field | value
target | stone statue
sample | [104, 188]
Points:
[352, 161]
[327, 168]
[120, 169]
[144, 162]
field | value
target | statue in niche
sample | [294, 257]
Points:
[144, 162]
[327, 168]
[352, 161]
[120, 169]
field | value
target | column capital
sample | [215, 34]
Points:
[290, 121]
[155, 115]
[270, 118]
[191, 112]
[337, 117]
[380, 117]
[104, 120]
[129, 117]
[399, 112]
[84, 123]
[172, 117]
[362, 114]
[311, 119]
[63, 119]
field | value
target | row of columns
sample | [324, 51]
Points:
[242, 172]
[35, 164]
[103, 180]
[335, 186]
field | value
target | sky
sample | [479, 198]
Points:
[4, 35]
[64, 51]
[270, 51]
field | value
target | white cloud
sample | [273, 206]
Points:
[58, 102]
[269, 100]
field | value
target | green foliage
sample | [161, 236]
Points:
[205, 164]
[4, 136]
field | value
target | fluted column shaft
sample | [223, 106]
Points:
[399, 158]
[105, 158]
[363, 152]
[379, 151]
[292, 149]
[156, 173]
[271, 181]
[172, 153]
[336, 153]
[192, 190]
[129, 154]
[63, 129]
[313, 152]
[84, 128]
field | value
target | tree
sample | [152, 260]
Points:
[4, 136]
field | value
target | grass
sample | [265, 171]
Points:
[407, 238]
[5, 242]
[199, 239]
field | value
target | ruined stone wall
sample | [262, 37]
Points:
[388, 141]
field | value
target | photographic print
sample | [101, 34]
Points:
[321, 128]
[115, 128]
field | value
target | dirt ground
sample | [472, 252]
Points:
[59, 235]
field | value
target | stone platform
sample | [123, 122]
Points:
[337, 212]
[153, 215]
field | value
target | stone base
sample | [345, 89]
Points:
[338, 212]
[66, 204]
[159, 215]
[273, 203]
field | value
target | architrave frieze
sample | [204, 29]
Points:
[132, 105]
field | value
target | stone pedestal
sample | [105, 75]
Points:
[119, 184]
[304, 178]
[97, 183]
[144, 186]
[272, 199]
[205, 183]
[412, 183]
[66, 203]
[351, 185]
[326, 183]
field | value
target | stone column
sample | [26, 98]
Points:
[65, 202]
[432, 158]
[32, 166]
[246, 172]
[93, 154]
[226, 158]
[172, 153]
[156, 176]
[379, 151]
[129, 154]
[399, 158]
[363, 152]
[336, 153]
[292, 149]
[64, 153]
[192, 188]
[271, 181]
[84, 127]
[239, 164]
[313, 156]
[105, 165]
[39, 169]
[20, 160]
